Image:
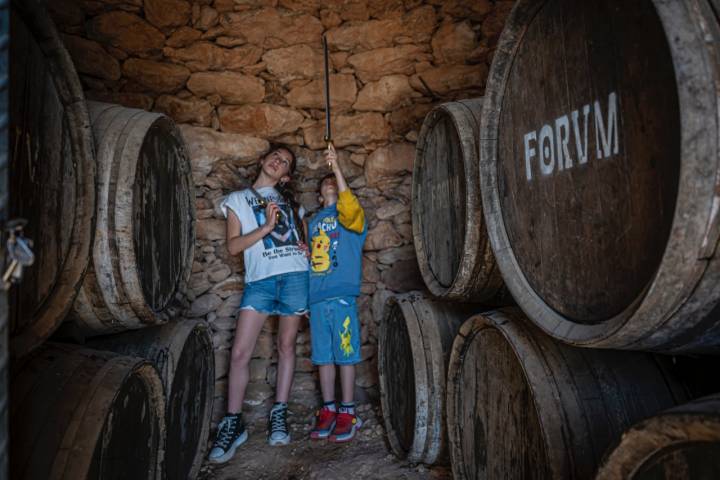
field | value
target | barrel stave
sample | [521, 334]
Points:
[544, 409]
[182, 352]
[53, 166]
[414, 343]
[454, 254]
[78, 413]
[681, 443]
[616, 251]
[143, 256]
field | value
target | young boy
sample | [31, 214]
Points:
[337, 233]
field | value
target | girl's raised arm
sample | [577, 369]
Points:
[236, 241]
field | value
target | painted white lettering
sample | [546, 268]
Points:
[546, 145]
[605, 138]
[581, 146]
[562, 138]
[552, 141]
[529, 154]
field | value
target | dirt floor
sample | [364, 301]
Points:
[367, 457]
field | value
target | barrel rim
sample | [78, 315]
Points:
[506, 322]
[194, 327]
[75, 452]
[69, 278]
[477, 276]
[662, 294]
[436, 438]
[405, 303]
[167, 348]
[118, 280]
[113, 295]
[116, 371]
[125, 219]
[658, 434]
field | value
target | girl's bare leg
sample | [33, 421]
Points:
[248, 328]
[287, 335]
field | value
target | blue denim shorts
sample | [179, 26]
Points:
[335, 332]
[284, 294]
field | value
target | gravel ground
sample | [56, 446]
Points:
[367, 457]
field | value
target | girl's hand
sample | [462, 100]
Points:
[271, 215]
[304, 248]
[331, 157]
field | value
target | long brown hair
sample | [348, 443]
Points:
[287, 189]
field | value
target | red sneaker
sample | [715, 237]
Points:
[345, 427]
[324, 424]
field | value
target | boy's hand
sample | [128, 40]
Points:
[304, 248]
[331, 157]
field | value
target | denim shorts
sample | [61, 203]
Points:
[284, 294]
[335, 332]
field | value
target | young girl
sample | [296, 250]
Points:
[261, 224]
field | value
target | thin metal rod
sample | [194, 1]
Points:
[328, 132]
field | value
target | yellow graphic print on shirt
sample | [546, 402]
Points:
[320, 259]
[345, 337]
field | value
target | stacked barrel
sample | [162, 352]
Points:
[584, 183]
[108, 195]
[4, 44]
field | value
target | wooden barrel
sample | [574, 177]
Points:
[453, 251]
[521, 405]
[682, 443]
[82, 414]
[143, 251]
[52, 171]
[4, 43]
[414, 342]
[598, 170]
[183, 354]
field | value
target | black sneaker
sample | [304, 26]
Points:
[231, 434]
[277, 424]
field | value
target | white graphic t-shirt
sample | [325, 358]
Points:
[277, 252]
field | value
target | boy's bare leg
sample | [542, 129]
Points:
[287, 335]
[327, 382]
[347, 382]
[249, 324]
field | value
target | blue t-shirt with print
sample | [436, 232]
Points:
[337, 234]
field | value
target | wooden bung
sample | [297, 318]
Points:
[522, 405]
[599, 173]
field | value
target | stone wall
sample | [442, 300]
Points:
[239, 73]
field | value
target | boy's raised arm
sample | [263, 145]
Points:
[350, 213]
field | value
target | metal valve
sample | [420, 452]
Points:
[19, 252]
